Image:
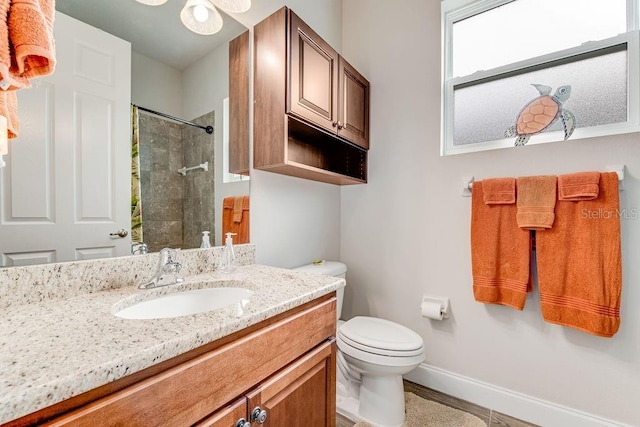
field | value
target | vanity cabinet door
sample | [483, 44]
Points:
[301, 394]
[353, 107]
[313, 77]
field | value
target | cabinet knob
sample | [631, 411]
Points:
[340, 125]
[335, 124]
[243, 423]
[259, 415]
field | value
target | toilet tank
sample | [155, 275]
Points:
[329, 268]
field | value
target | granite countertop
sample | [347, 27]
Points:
[59, 348]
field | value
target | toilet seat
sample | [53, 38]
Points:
[380, 337]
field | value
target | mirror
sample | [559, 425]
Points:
[172, 71]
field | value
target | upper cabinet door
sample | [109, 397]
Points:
[313, 77]
[353, 108]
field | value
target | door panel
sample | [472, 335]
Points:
[67, 183]
[313, 76]
[302, 394]
[354, 105]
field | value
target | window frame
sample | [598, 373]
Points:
[453, 11]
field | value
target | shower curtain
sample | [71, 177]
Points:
[136, 194]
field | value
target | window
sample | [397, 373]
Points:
[500, 55]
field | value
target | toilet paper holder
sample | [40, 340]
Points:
[442, 301]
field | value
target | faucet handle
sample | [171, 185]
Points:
[167, 255]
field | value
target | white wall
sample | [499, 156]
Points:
[406, 233]
[295, 221]
[155, 85]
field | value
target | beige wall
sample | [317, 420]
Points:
[406, 233]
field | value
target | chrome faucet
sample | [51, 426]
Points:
[167, 271]
[139, 248]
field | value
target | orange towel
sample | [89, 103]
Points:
[579, 186]
[9, 109]
[500, 253]
[579, 263]
[238, 203]
[536, 201]
[229, 225]
[9, 78]
[31, 33]
[499, 191]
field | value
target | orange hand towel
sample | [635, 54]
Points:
[237, 209]
[579, 186]
[500, 253]
[579, 263]
[9, 80]
[9, 109]
[229, 225]
[536, 201]
[31, 33]
[499, 191]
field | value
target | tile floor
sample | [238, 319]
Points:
[489, 416]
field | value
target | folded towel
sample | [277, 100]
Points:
[9, 109]
[229, 225]
[500, 253]
[31, 33]
[578, 186]
[536, 201]
[237, 209]
[9, 80]
[499, 191]
[579, 263]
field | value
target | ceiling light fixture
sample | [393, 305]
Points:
[201, 16]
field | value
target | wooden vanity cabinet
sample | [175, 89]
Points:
[311, 112]
[284, 365]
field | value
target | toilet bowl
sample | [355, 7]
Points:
[373, 354]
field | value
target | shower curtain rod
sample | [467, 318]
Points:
[208, 129]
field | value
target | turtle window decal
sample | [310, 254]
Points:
[539, 114]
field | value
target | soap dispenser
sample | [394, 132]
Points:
[228, 262]
[206, 243]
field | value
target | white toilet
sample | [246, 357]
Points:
[373, 354]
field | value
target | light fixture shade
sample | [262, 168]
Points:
[211, 25]
[152, 2]
[233, 6]
[4, 136]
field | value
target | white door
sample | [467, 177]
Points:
[66, 185]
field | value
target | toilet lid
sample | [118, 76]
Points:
[380, 336]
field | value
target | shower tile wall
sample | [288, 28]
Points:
[161, 185]
[198, 202]
[175, 209]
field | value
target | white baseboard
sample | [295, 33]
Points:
[508, 402]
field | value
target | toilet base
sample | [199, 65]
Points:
[383, 403]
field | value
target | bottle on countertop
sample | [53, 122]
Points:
[206, 243]
[228, 262]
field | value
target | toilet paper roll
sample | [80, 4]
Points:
[432, 310]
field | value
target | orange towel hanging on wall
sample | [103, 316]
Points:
[235, 218]
[580, 262]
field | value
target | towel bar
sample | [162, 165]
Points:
[467, 181]
[183, 170]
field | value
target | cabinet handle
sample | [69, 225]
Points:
[335, 124]
[259, 415]
[340, 125]
[243, 423]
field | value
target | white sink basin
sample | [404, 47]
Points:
[185, 303]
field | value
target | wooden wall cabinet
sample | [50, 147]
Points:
[311, 112]
[239, 60]
[284, 366]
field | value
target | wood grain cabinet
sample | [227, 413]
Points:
[311, 112]
[239, 60]
[282, 369]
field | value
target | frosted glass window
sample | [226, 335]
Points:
[524, 29]
[484, 110]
